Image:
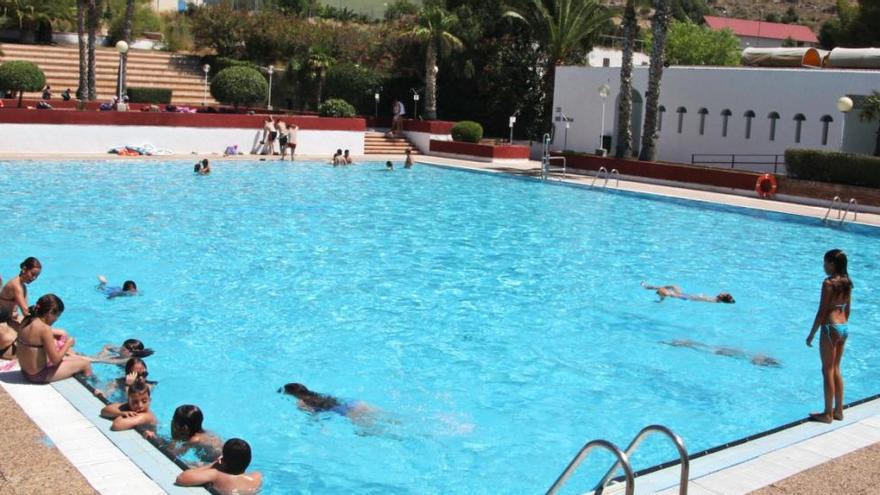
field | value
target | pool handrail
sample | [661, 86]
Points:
[636, 441]
[834, 200]
[622, 460]
[853, 206]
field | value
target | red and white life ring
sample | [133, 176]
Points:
[766, 186]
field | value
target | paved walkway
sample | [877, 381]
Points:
[852, 474]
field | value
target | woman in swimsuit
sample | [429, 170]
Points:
[675, 291]
[832, 317]
[14, 293]
[41, 358]
[314, 402]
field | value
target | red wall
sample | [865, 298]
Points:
[481, 150]
[428, 126]
[64, 117]
[666, 171]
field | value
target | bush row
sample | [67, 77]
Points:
[148, 95]
[830, 166]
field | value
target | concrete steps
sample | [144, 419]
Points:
[376, 143]
[179, 72]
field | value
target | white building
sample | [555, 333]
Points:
[613, 57]
[762, 34]
[721, 111]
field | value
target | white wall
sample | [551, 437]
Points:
[72, 139]
[422, 140]
[755, 42]
[813, 93]
[597, 56]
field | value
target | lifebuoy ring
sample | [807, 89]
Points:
[766, 186]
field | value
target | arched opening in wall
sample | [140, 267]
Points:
[635, 121]
[660, 111]
[725, 118]
[749, 115]
[798, 126]
[773, 116]
[703, 112]
[826, 126]
[681, 111]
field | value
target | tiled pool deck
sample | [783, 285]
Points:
[125, 463]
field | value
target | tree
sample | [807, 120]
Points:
[690, 44]
[239, 86]
[659, 27]
[790, 16]
[625, 103]
[435, 28]
[93, 9]
[318, 63]
[82, 89]
[564, 29]
[126, 36]
[400, 8]
[688, 10]
[870, 113]
[37, 16]
[21, 76]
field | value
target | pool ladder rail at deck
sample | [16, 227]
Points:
[623, 461]
[547, 160]
[842, 213]
[603, 173]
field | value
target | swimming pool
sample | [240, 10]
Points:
[499, 322]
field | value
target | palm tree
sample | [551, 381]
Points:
[82, 91]
[561, 27]
[625, 104]
[126, 36]
[319, 61]
[434, 28]
[659, 28]
[93, 18]
[871, 112]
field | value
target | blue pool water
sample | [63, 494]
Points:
[498, 322]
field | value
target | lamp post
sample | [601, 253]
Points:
[511, 122]
[376, 100]
[269, 101]
[416, 103]
[206, 68]
[122, 48]
[844, 104]
[604, 91]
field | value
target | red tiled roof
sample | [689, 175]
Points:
[761, 29]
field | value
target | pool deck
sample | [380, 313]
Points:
[76, 451]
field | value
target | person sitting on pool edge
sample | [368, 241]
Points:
[187, 433]
[227, 474]
[129, 288]
[15, 295]
[133, 413]
[43, 350]
[675, 291]
[111, 354]
[313, 402]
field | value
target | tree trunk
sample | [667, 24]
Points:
[126, 36]
[876, 144]
[624, 107]
[20, 98]
[320, 88]
[659, 28]
[82, 91]
[431, 82]
[93, 14]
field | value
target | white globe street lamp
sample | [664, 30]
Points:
[206, 68]
[269, 102]
[845, 105]
[122, 48]
[604, 91]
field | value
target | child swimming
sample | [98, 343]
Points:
[129, 288]
[313, 402]
[111, 354]
[675, 291]
[133, 413]
[187, 433]
[135, 371]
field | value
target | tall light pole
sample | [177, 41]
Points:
[416, 103]
[269, 101]
[844, 104]
[206, 68]
[376, 99]
[122, 48]
[604, 91]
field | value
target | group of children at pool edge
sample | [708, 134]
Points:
[45, 354]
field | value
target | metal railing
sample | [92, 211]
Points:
[842, 213]
[603, 173]
[622, 460]
[734, 159]
[547, 160]
[645, 433]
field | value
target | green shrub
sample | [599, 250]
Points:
[353, 83]
[467, 131]
[219, 63]
[21, 76]
[335, 107]
[239, 86]
[830, 166]
[148, 95]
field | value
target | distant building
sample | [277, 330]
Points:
[173, 5]
[613, 57]
[760, 34]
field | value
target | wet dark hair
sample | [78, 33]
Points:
[840, 281]
[314, 400]
[197, 167]
[205, 162]
[129, 365]
[136, 348]
[388, 164]
[189, 417]
[236, 457]
[129, 285]
[724, 297]
[49, 303]
[30, 263]
[346, 152]
[138, 387]
[408, 151]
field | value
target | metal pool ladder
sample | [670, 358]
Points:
[603, 173]
[842, 213]
[547, 160]
[623, 461]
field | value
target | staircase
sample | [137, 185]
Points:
[180, 73]
[376, 143]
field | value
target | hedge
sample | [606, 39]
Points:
[335, 107]
[219, 63]
[239, 86]
[148, 95]
[467, 131]
[835, 167]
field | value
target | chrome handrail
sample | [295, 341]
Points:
[853, 206]
[835, 200]
[647, 431]
[599, 174]
[622, 460]
[616, 174]
[545, 157]
[551, 158]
